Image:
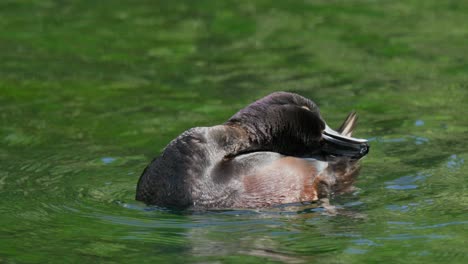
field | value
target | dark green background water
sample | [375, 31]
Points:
[91, 91]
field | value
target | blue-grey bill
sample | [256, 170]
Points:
[337, 144]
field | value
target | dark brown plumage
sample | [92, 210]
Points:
[276, 150]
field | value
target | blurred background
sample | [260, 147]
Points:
[91, 91]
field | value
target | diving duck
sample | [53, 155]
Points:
[277, 150]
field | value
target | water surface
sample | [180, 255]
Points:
[91, 91]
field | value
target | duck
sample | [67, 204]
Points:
[277, 150]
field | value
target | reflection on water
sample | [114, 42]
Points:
[91, 91]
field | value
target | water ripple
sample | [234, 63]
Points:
[410, 236]
[455, 162]
[440, 225]
[107, 160]
[418, 140]
[355, 251]
[406, 182]
[419, 122]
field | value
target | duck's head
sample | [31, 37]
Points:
[276, 122]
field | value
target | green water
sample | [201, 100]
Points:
[91, 91]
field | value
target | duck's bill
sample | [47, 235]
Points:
[337, 144]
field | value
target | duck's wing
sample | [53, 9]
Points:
[167, 180]
[267, 178]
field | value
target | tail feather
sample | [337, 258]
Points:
[348, 125]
